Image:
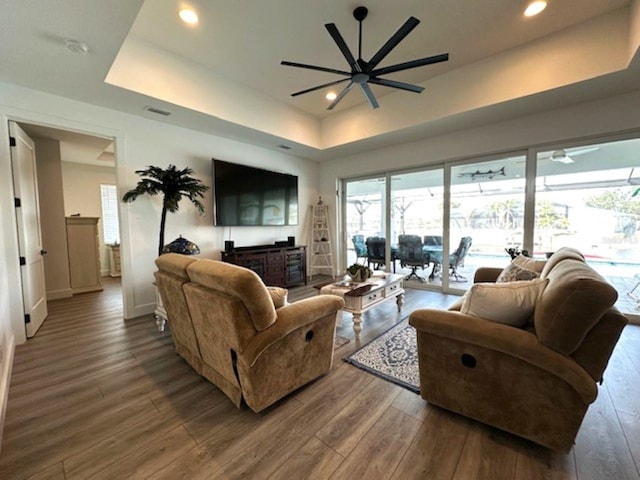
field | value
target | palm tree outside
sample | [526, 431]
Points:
[173, 185]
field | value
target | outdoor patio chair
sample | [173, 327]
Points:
[410, 255]
[433, 240]
[359, 246]
[456, 259]
[376, 252]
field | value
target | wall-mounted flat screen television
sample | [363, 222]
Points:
[249, 196]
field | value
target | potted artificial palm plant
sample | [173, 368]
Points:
[173, 185]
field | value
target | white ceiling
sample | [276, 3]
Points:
[240, 44]
[76, 147]
[245, 41]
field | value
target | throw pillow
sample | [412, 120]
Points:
[514, 273]
[278, 296]
[508, 303]
[529, 263]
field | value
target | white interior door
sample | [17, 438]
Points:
[25, 184]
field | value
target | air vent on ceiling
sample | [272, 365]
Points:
[284, 147]
[158, 111]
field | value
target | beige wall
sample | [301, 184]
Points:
[81, 187]
[54, 235]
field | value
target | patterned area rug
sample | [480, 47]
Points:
[392, 356]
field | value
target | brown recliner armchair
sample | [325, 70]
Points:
[170, 278]
[248, 348]
[538, 381]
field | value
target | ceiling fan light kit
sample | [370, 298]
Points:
[565, 156]
[363, 73]
[561, 156]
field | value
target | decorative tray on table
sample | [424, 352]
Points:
[348, 283]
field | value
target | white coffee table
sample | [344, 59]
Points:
[363, 296]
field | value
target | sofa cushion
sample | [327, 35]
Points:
[509, 303]
[564, 253]
[529, 263]
[175, 264]
[278, 296]
[575, 300]
[237, 282]
[515, 273]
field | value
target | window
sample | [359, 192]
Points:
[110, 230]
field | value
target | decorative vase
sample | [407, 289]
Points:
[360, 276]
[356, 278]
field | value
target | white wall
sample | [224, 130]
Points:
[81, 189]
[54, 233]
[592, 119]
[139, 142]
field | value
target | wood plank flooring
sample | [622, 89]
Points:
[95, 397]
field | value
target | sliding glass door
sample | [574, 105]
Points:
[465, 215]
[364, 210]
[486, 216]
[416, 224]
[584, 199]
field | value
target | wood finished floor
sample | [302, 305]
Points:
[93, 396]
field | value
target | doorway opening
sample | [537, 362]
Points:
[75, 178]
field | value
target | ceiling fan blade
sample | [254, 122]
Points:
[395, 84]
[342, 45]
[366, 89]
[412, 64]
[561, 153]
[319, 87]
[314, 67]
[566, 160]
[582, 151]
[341, 95]
[397, 37]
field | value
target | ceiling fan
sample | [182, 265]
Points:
[562, 155]
[362, 72]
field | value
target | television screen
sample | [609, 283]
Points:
[248, 196]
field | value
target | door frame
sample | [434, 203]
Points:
[10, 238]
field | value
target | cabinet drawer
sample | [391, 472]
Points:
[275, 259]
[392, 289]
[274, 270]
[372, 298]
[274, 280]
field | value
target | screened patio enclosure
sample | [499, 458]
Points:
[535, 200]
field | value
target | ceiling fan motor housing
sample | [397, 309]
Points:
[363, 73]
[360, 13]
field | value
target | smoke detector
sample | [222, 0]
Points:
[76, 46]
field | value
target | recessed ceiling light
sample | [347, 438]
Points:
[331, 96]
[76, 46]
[534, 8]
[188, 16]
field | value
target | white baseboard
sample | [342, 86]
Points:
[6, 365]
[104, 272]
[58, 294]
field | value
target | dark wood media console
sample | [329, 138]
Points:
[277, 266]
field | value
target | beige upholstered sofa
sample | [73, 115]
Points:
[225, 325]
[536, 381]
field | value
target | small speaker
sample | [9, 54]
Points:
[291, 241]
[228, 245]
